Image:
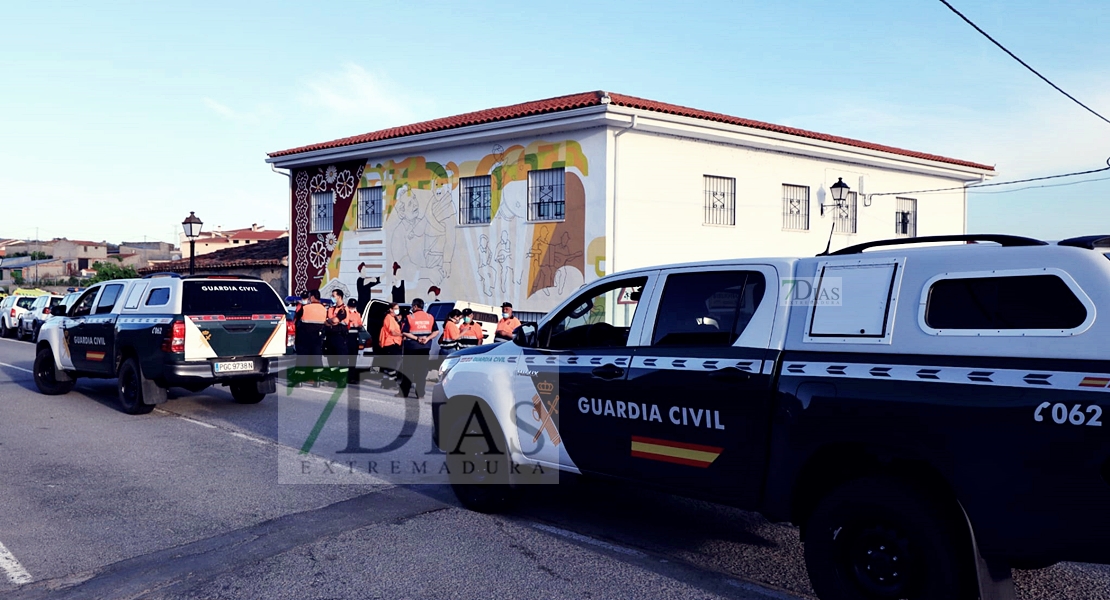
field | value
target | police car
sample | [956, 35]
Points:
[166, 330]
[929, 416]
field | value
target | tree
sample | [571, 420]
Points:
[39, 255]
[106, 271]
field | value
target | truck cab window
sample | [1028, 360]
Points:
[84, 304]
[108, 298]
[707, 308]
[599, 318]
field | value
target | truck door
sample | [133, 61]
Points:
[86, 354]
[571, 390]
[100, 329]
[712, 391]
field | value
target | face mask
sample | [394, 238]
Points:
[466, 319]
[305, 301]
[505, 315]
[396, 311]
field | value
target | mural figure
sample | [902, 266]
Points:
[485, 270]
[365, 286]
[398, 291]
[425, 232]
[556, 256]
[505, 262]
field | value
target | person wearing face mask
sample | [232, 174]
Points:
[335, 331]
[507, 324]
[389, 341]
[470, 331]
[354, 329]
[418, 330]
[449, 341]
[311, 327]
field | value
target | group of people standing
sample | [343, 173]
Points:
[404, 343]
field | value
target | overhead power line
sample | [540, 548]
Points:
[974, 186]
[1023, 63]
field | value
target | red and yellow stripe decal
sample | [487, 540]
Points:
[680, 453]
[94, 356]
[1095, 382]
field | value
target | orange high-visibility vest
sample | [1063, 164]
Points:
[471, 333]
[505, 327]
[390, 334]
[354, 320]
[451, 332]
[421, 323]
[314, 312]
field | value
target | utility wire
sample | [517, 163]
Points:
[1036, 187]
[1023, 63]
[973, 186]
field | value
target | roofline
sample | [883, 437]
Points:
[564, 109]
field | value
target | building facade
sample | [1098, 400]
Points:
[528, 202]
[220, 239]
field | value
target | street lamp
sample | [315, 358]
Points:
[839, 192]
[192, 225]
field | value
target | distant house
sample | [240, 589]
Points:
[151, 251]
[268, 259]
[219, 239]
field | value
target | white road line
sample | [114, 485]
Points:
[585, 539]
[189, 419]
[758, 589]
[16, 368]
[361, 398]
[251, 438]
[11, 567]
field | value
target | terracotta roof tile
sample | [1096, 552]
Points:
[582, 100]
[269, 253]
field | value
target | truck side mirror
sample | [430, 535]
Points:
[525, 335]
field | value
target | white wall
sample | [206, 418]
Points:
[659, 208]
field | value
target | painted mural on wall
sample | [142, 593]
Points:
[423, 251]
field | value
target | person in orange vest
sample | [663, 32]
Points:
[419, 330]
[507, 324]
[449, 341]
[470, 331]
[313, 317]
[354, 330]
[389, 344]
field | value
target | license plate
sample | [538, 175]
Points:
[234, 366]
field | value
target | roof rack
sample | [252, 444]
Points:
[1003, 240]
[227, 276]
[1089, 242]
[162, 274]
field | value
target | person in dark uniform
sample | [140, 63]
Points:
[354, 330]
[298, 343]
[419, 330]
[313, 317]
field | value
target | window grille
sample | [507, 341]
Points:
[322, 205]
[905, 217]
[475, 200]
[795, 207]
[844, 214]
[720, 200]
[370, 208]
[546, 195]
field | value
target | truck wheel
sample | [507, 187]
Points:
[45, 378]
[479, 478]
[879, 539]
[4, 331]
[131, 388]
[246, 393]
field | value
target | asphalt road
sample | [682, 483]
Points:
[205, 498]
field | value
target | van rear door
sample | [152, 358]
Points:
[232, 318]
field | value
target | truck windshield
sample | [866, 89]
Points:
[229, 297]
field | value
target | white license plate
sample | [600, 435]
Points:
[234, 366]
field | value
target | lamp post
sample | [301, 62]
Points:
[192, 226]
[839, 192]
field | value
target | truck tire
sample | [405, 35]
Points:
[246, 393]
[880, 539]
[4, 331]
[45, 377]
[479, 490]
[131, 388]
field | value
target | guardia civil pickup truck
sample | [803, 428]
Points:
[165, 331]
[929, 416]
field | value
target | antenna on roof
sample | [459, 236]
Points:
[829, 244]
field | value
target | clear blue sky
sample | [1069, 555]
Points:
[118, 118]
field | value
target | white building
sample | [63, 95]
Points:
[525, 203]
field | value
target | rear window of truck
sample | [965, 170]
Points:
[26, 302]
[222, 297]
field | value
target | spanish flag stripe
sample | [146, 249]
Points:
[94, 355]
[672, 459]
[655, 449]
[1094, 382]
[659, 442]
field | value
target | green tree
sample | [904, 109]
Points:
[106, 271]
[39, 255]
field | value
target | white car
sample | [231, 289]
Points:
[32, 320]
[11, 309]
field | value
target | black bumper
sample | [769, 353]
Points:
[184, 374]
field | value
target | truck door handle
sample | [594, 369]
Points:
[730, 375]
[609, 371]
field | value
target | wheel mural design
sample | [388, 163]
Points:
[330, 241]
[318, 184]
[330, 174]
[318, 254]
[345, 185]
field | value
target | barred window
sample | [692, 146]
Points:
[546, 195]
[844, 215]
[905, 217]
[720, 200]
[474, 200]
[795, 207]
[322, 205]
[370, 208]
